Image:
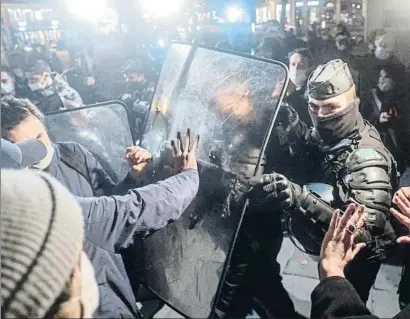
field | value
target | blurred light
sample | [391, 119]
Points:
[28, 49]
[358, 6]
[22, 24]
[37, 15]
[55, 22]
[198, 28]
[234, 14]
[161, 43]
[91, 10]
[323, 24]
[161, 8]
[313, 3]
[299, 4]
[253, 26]
[353, 5]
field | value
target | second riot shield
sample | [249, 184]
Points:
[231, 101]
[103, 129]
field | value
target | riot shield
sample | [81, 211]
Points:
[102, 128]
[228, 99]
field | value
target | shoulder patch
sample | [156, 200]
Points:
[367, 153]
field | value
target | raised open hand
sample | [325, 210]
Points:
[402, 200]
[184, 153]
[338, 248]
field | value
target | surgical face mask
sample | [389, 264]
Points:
[336, 127]
[382, 53]
[36, 86]
[89, 289]
[46, 161]
[385, 84]
[18, 72]
[7, 88]
[298, 77]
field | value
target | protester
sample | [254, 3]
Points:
[335, 296]
[8, 86]
[112, 223]
[44, 83]
[45, 273]
[73, 165]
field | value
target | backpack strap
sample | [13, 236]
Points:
[74, 161]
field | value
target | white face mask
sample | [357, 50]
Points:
[36, 86]
[382, 53]
[46, 161]
[298, 77]
[89, 289]
[385, 84]
[7, 88]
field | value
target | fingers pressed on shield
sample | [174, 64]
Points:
[345, 218]
[174, 148]
[195, 145]
[269, 188]
[403, 219]
[180, 146]
[259, 179]
[279, 177]
[187, 141]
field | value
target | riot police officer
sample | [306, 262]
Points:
[341, 150]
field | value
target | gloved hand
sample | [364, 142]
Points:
[270, 191]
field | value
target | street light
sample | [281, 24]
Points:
[234, 14]
[91, 10]
[161, 8]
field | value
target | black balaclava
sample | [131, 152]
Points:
[326, 82]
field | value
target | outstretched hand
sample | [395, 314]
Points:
[338, 246]
[402, 200]
[184, 153]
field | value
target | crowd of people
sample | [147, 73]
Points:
[65, 227]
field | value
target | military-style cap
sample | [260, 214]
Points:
[330, 80]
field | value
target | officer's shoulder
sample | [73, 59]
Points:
[364, 157]
[73, 147]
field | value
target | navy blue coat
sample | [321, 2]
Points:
[112, 222]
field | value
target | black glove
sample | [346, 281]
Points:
[270, 191]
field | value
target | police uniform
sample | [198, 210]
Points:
[345, 154]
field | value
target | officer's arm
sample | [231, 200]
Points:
[112, 222]
[366, 180]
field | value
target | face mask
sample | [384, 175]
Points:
[298, 77]
[334, 128]
[385, 84]
[18, 72]
[7, 88]
[46, 161]
[382, 53]
[36, 86]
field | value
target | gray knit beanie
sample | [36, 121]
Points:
[42, 232]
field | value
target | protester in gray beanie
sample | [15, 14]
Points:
[45, 274]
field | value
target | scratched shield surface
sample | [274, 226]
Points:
[227, 100]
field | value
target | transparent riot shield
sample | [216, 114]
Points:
[102, 128]
[231, 101]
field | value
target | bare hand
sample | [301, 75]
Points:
[384, 117]
[338, 247]
[138, 159]
[402, 200]
[184, 153]
[279, 87]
